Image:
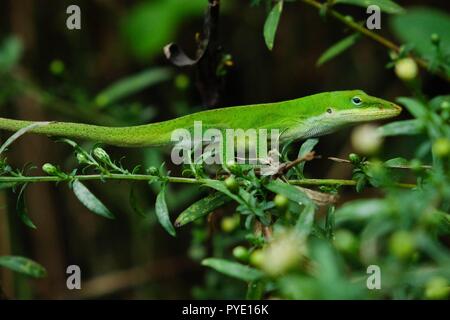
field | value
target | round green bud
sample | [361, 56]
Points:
[57, 67]
[349, 18]
[82, 159]
[241, 253]
[257, 258]
[182, 81]
[152, 171]
[445, 105]
[393, 55]
[437, 288]
[441, 147]
[101, 154]
[50, 169]
[366, 139]
[416, 165]
[346, 242]
[354, 158]
[435, 39]
[230, 223]
[232, 184]
[281, 202]
[406, 69]
[197, 252]
[232, 166]
[402, 244]
[101, 100]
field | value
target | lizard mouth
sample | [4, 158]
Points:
[375, 112]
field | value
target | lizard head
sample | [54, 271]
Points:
[356, 106]
[334, 110]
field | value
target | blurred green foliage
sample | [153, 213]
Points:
[149, 25]
[260, 237]
[416, 27]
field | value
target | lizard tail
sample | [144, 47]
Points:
[137, 136]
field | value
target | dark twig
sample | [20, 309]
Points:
[285, 167]
[372, 35]
[208, 57]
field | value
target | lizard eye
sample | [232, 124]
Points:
[329, 110]
[356, 101]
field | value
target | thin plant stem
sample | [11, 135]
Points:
[372, 35]
[144, 177]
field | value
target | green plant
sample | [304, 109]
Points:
[285, 236]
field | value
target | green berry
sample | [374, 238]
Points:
[435, 39]
[57, 67]
[182, 81]
[232, 184]
[406, 69]
[354, 158]
[416, 165]
[241, 253]
[349, 18]
[366, 139]
[281, 202]
[101, 100]
[402, 244]
[437, 288]
[257, 258]
[346, 242]
[230, 223]
[441, 147]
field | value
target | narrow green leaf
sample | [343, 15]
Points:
[403, 127]
[271, 24]
[397, 162]
[233, 269]
[23, 265]
[417, 24]
[21, 132]
[338, 48]
[220, 186]
[162, 212]
[387, 6]
[289, 191]
[305, 222]
[22, 209]
[201, 208]
[132, 85]
[415, 107]
[90, 201]
[306, 147]
[361, 210]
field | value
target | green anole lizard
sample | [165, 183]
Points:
[301, 118]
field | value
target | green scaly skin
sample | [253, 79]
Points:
[302, 118]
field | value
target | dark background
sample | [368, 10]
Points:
[131, 257]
